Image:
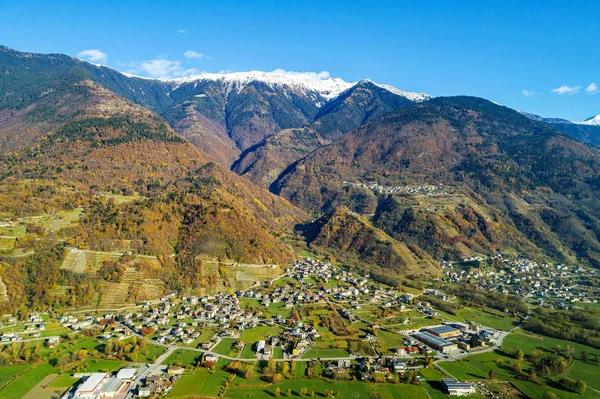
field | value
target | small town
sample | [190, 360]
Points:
[295, 319]
[553, 286]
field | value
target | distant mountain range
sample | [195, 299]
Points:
[587, 131]
[230, 164]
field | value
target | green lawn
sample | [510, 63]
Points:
[183, 358]
[248, 352]
[349, 390]
[202, 382]
[527, 342]
[489, 318]
[259, 333]
[226, 347]
[100, 365]
[325, 353]
[8, 372]
[23, 383]
[477, 367]
[433, 385]
[150, 353]
[63, 381]
[388, 340]
[300, 369]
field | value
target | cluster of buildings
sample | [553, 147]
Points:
[554, 285]
[103, 385]
[414, 189]
[455, 336]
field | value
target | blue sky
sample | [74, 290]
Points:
[513, 52]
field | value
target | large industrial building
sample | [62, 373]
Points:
[453, 387]
[444, 331]
[435, 342]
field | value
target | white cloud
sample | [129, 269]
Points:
[592, 88]
[93, 55]
[196, 55]
[315, 75]
[565, 89]
[180, 30]
[161, 68]
[223, 71]
[528, 93]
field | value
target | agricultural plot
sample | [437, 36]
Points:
[18, 387]
[226, 347]
[490, 318]
[259, 333]
[350, 390]
[386, 341]
[433, 382]
[315, 353]
[7, 373]
[183, 358]
[63, 381]
[202, 383]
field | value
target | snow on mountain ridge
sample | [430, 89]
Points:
[593, 121]
[326, 86]
[416, 97]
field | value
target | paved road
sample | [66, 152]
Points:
[146, 370]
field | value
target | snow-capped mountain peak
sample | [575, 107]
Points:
[321, 83]
[416, 97]
[593, 121]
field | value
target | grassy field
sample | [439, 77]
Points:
[433, 383]
[348, 390]
[477, 367]
[183, 358]
[150, 353]
[301, 369]
[528, 342]
[18, 387]
[259, 333]
[202, 382]
[63, 381]
[101, 365]
[248, 352]
[325, 353]
[226, 347]
[490, 318]
[8, 372]
[388, 340]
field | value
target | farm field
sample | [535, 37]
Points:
[433, 383]
[63, 381]
[324, 353]
[489, 318]
[18, 387]
[7, 373]
[183, 358]
[477, 367]
[259, 333]
[388, 341]
[226, 347]
[202, 382]
[347, 390]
